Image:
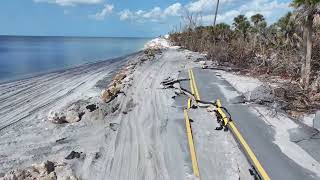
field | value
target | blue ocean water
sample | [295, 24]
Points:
[22, 56]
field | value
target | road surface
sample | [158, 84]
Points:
[258, 134]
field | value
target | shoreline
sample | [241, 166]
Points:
[63, 69]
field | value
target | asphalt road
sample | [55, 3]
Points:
[256, 132]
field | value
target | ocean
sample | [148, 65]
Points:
[25, 56]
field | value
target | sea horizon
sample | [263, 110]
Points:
[75, 36]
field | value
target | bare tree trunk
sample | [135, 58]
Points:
[305, 34]
[309, 51]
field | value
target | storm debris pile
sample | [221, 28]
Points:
[289, 97]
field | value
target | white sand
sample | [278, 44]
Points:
[144, 138]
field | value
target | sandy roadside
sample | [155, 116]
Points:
[62, 127]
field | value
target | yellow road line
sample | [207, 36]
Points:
[244, 144]
[195, 86]
[191, 146]
[189, 103]
[191, 82]
[195, 166]
[191, 87]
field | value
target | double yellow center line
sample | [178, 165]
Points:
[242, 142]
[194, 91]
[230, 124]
[193, 85]
[194, 161]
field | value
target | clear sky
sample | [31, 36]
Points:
[122, 18]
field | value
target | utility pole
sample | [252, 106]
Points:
[215, 17]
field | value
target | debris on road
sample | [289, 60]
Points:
[169, 82]
[92, 107]
[73, 155]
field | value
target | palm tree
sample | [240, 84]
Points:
[221, 31]
[241, 25]
[257, 19]
[306, 9]
[223, 26]
[288, 30]
[285, 23]
[259, 24]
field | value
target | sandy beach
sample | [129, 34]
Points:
[139, 134]
[27, 136]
